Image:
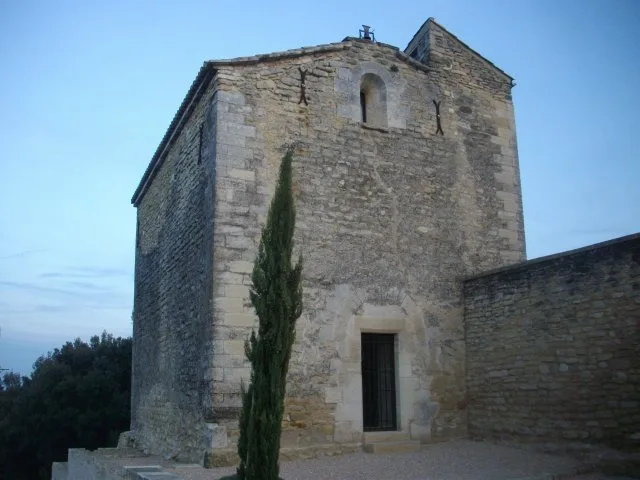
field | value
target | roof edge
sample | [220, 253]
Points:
[205, 74]
[424, 24]
[555, 256]
[467, 47]
[300, 52]
[293, 53]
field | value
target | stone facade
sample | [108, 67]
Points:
[553, 348]
[392, 213]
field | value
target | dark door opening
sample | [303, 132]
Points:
[378, 382]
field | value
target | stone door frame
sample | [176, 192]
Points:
[349, 412]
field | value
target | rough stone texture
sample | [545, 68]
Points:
[172, 306]
[391, 216]
[553, 348]
[87, 465]
[112, 464]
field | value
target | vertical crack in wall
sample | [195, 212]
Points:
[395, 217]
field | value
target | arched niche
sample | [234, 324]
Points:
[375, 87]
[373, 101]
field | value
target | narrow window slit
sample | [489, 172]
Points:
[200, 145]
[363, 106]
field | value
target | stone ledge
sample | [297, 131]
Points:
[380, 324]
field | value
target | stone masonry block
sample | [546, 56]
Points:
[237, 374]
[234, 98]
[333, 394]
[230, 278]
[511, 201]
[230, 304]
[248, 175]
[234, 140]
[240, 320]
[237, 130]
[240, 291]
[217, 436]
[242, 243]
[234, 347]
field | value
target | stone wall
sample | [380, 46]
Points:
[390, 217]
[172, 306]
[86, 465]
[553, 347]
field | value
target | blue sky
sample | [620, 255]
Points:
[88, 89]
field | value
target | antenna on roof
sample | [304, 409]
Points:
[367, 34]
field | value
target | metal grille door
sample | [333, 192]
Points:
[378, 382]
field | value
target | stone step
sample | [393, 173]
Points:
[158, 476]
[132, 471]
[392, 447]
[149, 472]
[381, 437]
[389, 442]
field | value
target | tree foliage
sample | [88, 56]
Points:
[276, 295]
[78, 396]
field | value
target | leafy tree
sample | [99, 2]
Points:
[78, 396]
[276, 295]
[11, 381]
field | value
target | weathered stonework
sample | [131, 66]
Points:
[172, 304]
[553, 348]
[391, 216]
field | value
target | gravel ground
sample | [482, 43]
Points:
[460, 460]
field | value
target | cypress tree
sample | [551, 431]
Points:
[276, 295]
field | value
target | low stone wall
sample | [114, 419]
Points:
[60, 471]
[553, 347]
[85, 464]
[114, 464]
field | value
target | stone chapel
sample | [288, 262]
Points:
[406, 182]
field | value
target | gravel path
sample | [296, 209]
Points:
[461, 460]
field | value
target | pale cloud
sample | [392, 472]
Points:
[61, 304]
[22, 254]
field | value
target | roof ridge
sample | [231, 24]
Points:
[294, 52]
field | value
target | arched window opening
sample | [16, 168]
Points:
[373, 101]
